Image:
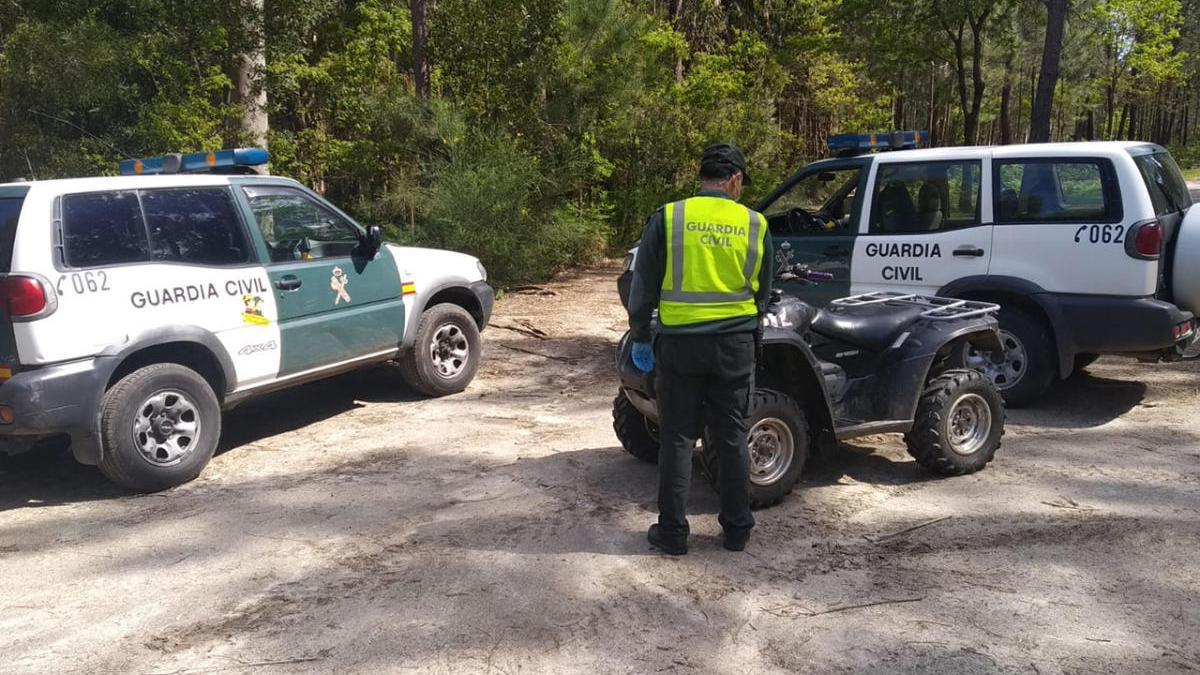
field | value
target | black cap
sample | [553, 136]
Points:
[725, 156]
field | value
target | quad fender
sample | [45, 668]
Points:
[801, 375]
[1011, 290]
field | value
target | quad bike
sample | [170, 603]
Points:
[867, 364]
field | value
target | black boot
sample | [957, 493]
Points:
[670, 548]
[735, 540]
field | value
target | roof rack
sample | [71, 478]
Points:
[936, 307]
[237, 161]
[850, 145]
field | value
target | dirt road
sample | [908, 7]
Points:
[348, 527]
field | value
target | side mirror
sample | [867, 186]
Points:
[373, 240]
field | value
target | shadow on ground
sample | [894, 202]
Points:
[1081, 401]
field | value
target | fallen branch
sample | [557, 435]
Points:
[845, 608]
[240, 664]
[906, 530]
[1068, 503]
[529, 330]
[564, 359]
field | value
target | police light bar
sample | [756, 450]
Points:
[241, 160]
[854, 144]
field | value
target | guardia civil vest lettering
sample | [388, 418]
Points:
[715, 250]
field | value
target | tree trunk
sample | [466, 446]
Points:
[677, 17]
[250, 76]
[1039, 125]
[1121, 122]
[1006, 102]
[420, 33]
[971, 122]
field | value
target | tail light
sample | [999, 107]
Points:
[1145, 240]
[25, 297]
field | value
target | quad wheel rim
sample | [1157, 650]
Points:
[166, 428]
[449, 351]
[1006, 374]
[771, 446]
[969, 425]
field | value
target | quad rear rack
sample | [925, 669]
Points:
[935, 307]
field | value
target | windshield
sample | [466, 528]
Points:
[821, 202]
[1164, 180]
[10, 210]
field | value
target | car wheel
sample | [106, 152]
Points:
[959, 423]
[778, 446]
[159, 427]
[446, 354]
[1029, 363]
[638, 435]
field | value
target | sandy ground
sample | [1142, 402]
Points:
[349, 527]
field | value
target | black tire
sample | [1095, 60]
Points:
[1084, 360]
[123, 460]
[932, 441]
[1024, 333]
[768, 404]
[638, 435]
[419, 367]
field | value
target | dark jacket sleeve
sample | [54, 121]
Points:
[766, 274]
[648, 272]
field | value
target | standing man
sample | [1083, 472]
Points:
[705, 264]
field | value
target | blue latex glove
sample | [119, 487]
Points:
[643, 356]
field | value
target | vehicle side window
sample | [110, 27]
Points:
[194, 225]
[925, 197]
[1164, 181]
[1055, 191]
[297, 228]
[820, 203]
[103, 228]
[10, 212]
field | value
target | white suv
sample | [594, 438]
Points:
[1084, 245]
[134, 308]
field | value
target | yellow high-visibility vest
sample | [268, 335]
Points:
[714, 256]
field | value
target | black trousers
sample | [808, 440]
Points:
[703, 384]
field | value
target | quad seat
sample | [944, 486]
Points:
[871, 327]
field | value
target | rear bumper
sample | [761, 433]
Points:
[61, 399]
[1095, 324]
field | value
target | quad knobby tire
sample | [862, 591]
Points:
[771, 412]
[123, 460]
[638, 435]
[445, 329]
[933, 439]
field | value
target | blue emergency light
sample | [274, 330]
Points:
[857, 144]
[240, 160]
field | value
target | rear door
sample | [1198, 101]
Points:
[1061, 224]
[11, 200]
[335, 303]
[817, 214]
[928, 225]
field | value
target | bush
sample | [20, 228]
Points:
[496, 201]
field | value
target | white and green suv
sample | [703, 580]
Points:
[133, 309]
[1089, 248]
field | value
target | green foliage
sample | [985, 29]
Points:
[556, 126]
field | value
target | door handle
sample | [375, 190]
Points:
[969, 252]
[288, 283]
